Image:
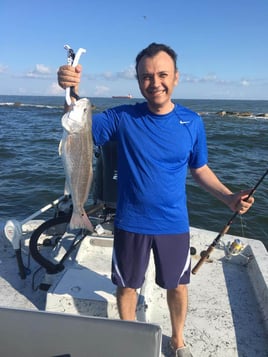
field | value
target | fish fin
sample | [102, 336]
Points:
[80, 220]
[67, 190]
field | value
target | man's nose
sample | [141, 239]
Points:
[155, 80]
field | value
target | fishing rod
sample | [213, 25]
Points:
[205, 255]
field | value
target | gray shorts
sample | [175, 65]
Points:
[131, 256]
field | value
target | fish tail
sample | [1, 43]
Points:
[81, 220]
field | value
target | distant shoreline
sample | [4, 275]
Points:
[139, 98]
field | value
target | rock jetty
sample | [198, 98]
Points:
[223, 113]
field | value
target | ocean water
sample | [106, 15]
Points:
[32, 173]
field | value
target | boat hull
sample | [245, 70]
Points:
[228, 297]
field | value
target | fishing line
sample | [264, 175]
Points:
[205, 255]
[242, 224]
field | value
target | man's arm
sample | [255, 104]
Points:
[207, 179]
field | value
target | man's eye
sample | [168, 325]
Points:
[146, 78]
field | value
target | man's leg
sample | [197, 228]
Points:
[127, 303]
[131, 253]
[178, 304]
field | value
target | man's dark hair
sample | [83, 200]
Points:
[152, 50]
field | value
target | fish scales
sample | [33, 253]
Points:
[76, 149]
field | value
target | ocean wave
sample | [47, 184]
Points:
[27, 105]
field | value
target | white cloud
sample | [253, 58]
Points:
[108, 76]
[128, 73]
[3, 68]
[101, 90]
[55, 89]
[212, 78]
[40, 71]
[208, 78]
[245, 83]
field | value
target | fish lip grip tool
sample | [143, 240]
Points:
[72, 60]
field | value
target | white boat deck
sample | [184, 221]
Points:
[228, 299]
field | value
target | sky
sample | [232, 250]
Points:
[222, 46]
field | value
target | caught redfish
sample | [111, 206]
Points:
[76, 149]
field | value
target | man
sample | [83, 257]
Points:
[157, 141]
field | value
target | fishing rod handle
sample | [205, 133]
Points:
[207, 252]
[204, 256]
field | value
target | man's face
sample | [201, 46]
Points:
[157, 78]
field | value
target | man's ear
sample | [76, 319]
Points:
[177, 78]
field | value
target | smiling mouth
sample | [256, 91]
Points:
[157, 92]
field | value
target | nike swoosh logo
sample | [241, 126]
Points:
[184, 122]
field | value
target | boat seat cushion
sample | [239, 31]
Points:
[30, 333]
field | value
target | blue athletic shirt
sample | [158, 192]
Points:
[153, 153]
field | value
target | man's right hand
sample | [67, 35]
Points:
[69, 76]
